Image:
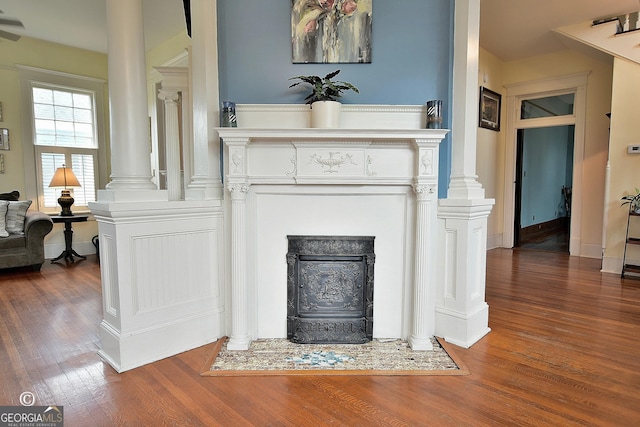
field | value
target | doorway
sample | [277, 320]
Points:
[544, 104]
[544, 174]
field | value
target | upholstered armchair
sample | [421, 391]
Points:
[27, 248]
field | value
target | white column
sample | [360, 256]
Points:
[176, 80]
[172, 142]
[423, 320]
[461, 311]
[130, 151]
[425, 187]
[464, 127]
[206, 182]
[239, 339]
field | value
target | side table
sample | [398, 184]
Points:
[68, 252]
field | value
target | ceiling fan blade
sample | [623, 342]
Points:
[15, 22]
[9, 36]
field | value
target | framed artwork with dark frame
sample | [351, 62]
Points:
[4, 139]
[490, 109]
[331, 31]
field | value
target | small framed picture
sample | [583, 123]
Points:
[490, 109]
[1, 163]
[4, 139]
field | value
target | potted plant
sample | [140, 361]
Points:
[324, 98]
[633, 200]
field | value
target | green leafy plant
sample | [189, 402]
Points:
[324, 88]
[633, 200]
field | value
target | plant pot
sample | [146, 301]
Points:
[325, 114]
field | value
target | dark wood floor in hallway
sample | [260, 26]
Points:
[564, 350]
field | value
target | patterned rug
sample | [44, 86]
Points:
[378, 357]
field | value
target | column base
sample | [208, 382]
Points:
[462, 329]
[239, 343]
[124, 196]
[128, 350]
[420, 343]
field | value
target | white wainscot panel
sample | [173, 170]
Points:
[172, 274]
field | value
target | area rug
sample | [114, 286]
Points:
[378, 357]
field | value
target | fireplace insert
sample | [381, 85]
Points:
[330, 289]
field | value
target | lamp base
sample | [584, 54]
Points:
[65, 201]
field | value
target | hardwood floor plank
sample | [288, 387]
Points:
[563, 351]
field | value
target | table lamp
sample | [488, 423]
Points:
[64, 177]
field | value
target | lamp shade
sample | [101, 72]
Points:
[64, 177]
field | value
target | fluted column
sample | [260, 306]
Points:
[423, 320]
[424, 275]
[172, 142]
[240, 339]
[130, 151]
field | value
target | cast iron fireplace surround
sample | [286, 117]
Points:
[330, 289]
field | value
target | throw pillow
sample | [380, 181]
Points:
[14, 195]
[15, 216]
[3, 213]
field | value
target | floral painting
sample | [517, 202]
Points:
[331, 31]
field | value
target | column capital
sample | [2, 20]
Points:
[169, 96]
[424, 191]
[238, 190]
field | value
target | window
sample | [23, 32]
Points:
[65, 135]
[65, 128]
[549, 106]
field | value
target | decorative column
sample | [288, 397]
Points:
[425, 187]
[171, 99]
[130, 152]
[464, 127]
[239, 339]
[461, 311]
[206, 181]
[238, 187]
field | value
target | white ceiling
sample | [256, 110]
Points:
[513, 29]
[510, 29]
[82, 23]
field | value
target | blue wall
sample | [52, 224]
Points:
[547, 165]
[411, 59]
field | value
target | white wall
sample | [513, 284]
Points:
[625, 168]
[491, 145]
[490, 150]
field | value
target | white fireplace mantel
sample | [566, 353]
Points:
[387, 179]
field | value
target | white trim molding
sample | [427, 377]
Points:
[516, 93]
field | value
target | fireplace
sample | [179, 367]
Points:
[384, 186]
[330, 289]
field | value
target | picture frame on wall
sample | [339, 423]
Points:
[490, 103]
[331, 31]
[4, 139]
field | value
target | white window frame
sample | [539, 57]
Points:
[30, 76]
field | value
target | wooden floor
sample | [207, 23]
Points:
[564, 350]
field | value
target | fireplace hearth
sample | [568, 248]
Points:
[330, 289]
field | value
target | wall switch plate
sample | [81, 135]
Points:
[633, 149]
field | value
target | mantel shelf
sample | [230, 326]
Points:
[323, 133]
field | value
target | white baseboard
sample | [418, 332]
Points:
[614, 265]
[590, 251]
[85, 248]
[136, 348]
[611, 265]
[494, 241]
